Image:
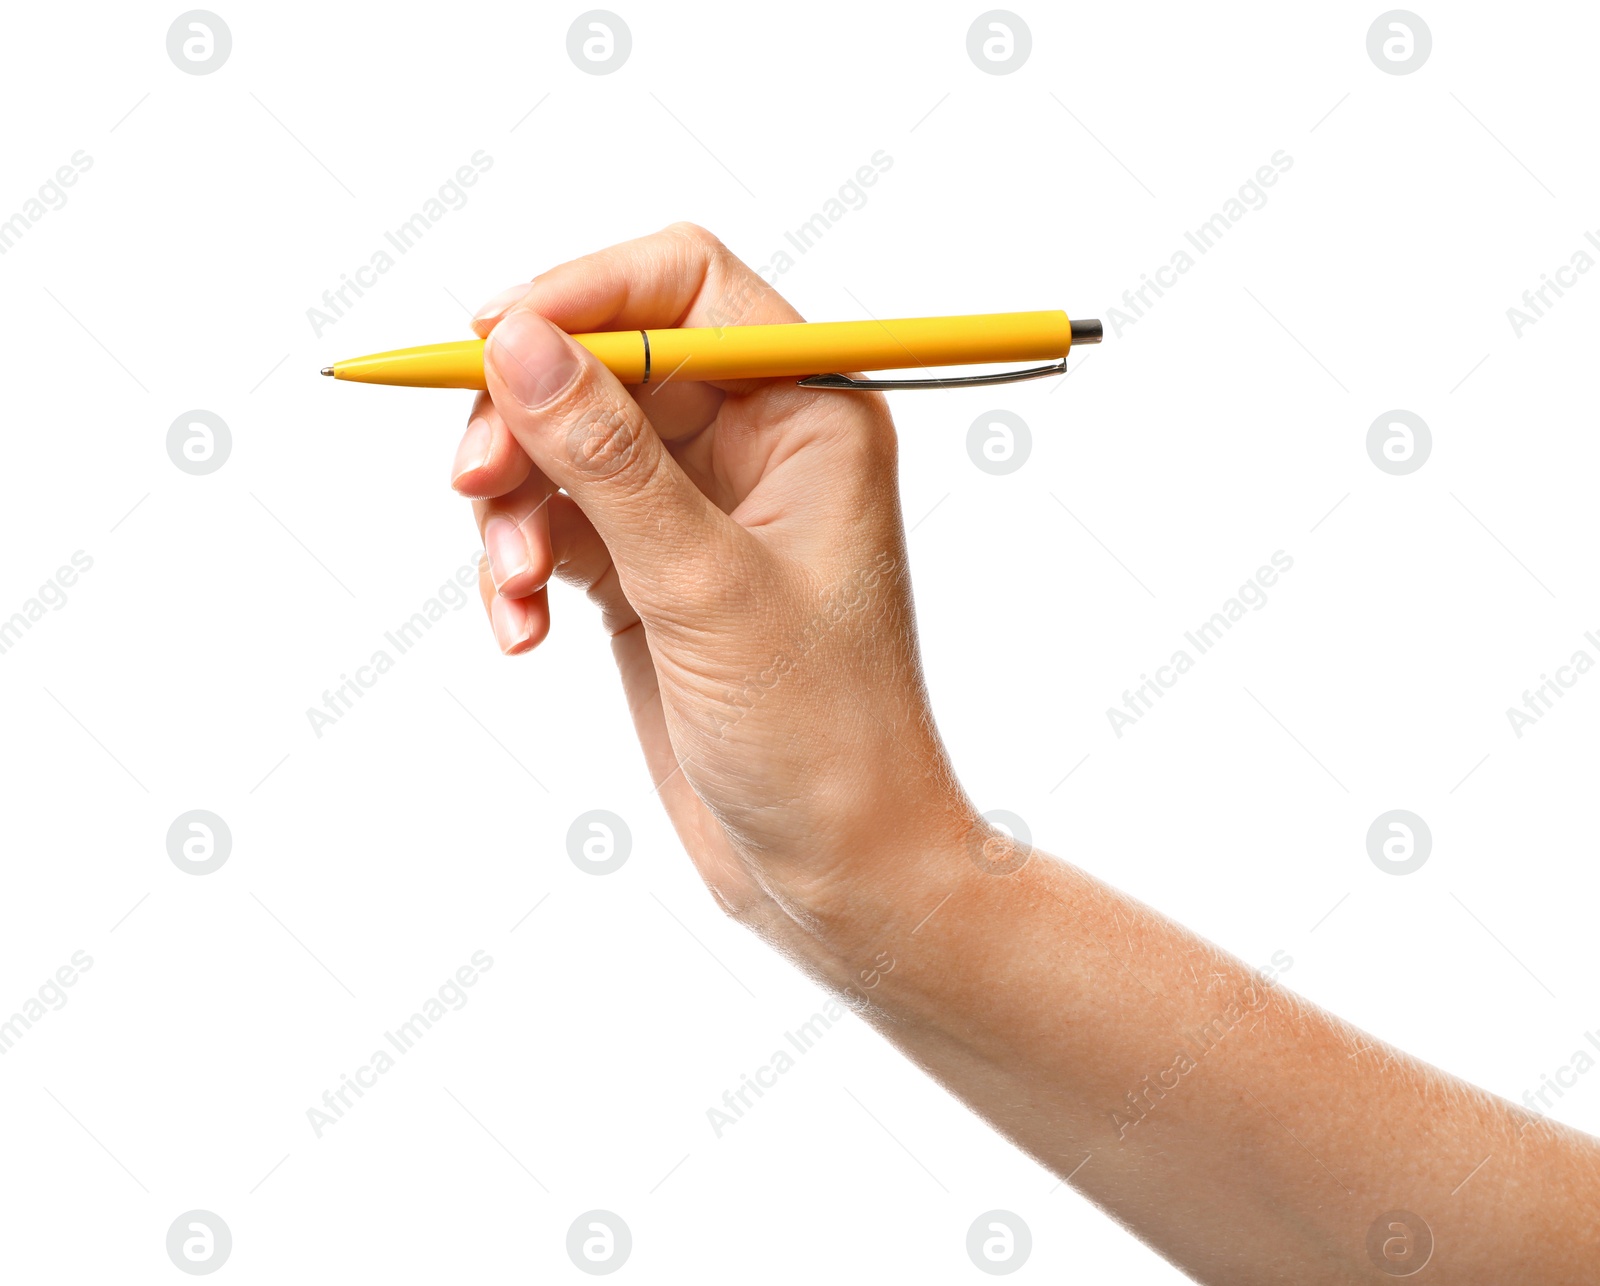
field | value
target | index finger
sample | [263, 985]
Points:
[680, 276]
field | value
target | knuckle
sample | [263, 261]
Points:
[694, 233]
[606, 440]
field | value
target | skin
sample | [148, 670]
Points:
[745, 546]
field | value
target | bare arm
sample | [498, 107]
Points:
[745, 546]
[1244, 1133]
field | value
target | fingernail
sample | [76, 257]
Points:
[502, 301]
[533, 359]
[510, 622]
[508, 550]
[473, 453]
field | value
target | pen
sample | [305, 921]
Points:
[817, 351]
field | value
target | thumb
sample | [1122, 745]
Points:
[578, 424]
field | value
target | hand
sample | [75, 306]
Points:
[745, 546]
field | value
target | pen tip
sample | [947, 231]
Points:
[327, 370]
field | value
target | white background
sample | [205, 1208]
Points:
[368, 864]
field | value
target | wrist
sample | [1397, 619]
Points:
[897, 896]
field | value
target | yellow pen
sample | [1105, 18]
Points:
[817, 351]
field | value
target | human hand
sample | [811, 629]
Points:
[744, 543]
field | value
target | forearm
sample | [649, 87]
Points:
[1242, 1132]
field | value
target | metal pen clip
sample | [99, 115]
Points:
[951, 381]
[1083, 332]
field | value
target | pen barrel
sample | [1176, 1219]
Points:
[753, 352]
[456, 364]
[818, 348]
